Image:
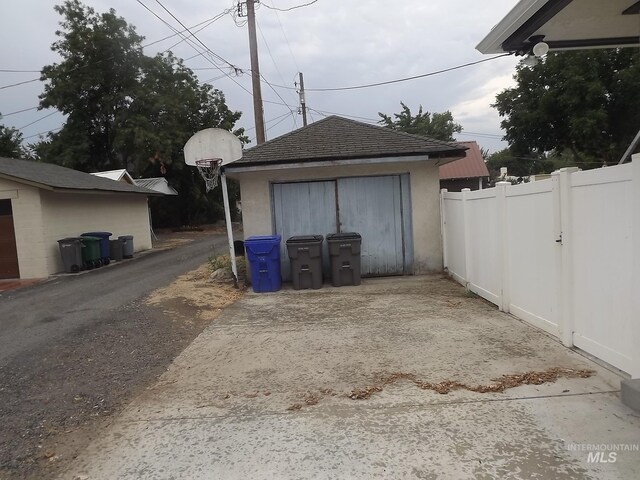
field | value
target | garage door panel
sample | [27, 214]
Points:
[372, 206]
[306, 208]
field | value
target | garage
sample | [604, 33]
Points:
[41, 203]
[339, 175]
[377, 207]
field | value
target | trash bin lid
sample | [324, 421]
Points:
[344, 236]
[305, 239]
[263, 239]
[125, 237]
[97, 234]
[70, 240]
[88, 238]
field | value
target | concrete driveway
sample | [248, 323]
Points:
[265, 392]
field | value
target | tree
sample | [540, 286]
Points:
[586, 103]
[11, 143]
[435, 125]
[128, 110]
[517, 166]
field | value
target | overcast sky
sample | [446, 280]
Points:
[335, 43]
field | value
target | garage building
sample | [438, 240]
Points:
[41, 203]
[339, 175]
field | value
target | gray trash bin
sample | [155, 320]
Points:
[71, 252]
[344, 253]
[127, 245]
[116, 249]
[305, 254]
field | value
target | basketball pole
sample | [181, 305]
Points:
[227, 217]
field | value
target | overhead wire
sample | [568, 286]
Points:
[286, 39]
[290, 8]
[398, 80]
[38, 120]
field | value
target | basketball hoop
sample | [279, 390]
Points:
[210, 171]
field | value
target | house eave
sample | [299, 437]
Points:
[284, 165]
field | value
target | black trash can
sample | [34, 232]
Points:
[71, 252]
[127, 245]
[115, 249]
[344, 254]
[305, 254]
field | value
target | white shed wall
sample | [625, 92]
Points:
[425, 184]
[70, 214]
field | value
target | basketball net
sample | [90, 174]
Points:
[210, 171]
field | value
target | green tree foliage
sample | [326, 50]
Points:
[584, 103]
[11, 143]
[435, 125]
[517, 165]
[128, 110]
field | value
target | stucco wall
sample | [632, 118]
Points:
[70, 214]
[425, 185]
[27, 221]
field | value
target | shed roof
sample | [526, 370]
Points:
[55, 177]
[120, 175]
[470, 166]
[158, 184]
[338, 138]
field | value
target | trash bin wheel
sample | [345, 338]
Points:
[88, 266]
[106, 261]
[75, 268]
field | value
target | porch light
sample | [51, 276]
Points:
[540, 49]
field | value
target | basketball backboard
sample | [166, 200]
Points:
[212, 143]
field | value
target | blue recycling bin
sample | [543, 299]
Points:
[104, 244]
[263, 254]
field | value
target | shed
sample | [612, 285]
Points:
[41, 203]
[339, 175]
[468, 172]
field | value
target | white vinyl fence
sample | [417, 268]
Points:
[558, 253]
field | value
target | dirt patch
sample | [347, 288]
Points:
[498, 384]
[54, 403]
[192, 293]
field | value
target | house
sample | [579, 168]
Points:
[120, 175]
[564, 25]
[41, 203]
[468, 172]
[339, 175]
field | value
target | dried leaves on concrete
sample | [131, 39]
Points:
[498, 384]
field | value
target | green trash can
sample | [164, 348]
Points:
[91, 257]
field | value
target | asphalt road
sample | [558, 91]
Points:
[34, 317]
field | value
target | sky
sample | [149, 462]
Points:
[334, 43]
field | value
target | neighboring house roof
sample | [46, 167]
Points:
[337, 138]
[158, 184]
[470, 166]
[55, 177]
[565, 24]
[120, 175]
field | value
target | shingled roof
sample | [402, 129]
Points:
[56, 177]
[337, 138]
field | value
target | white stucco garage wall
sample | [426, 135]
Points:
[425, 186]
[70, 214]
[27, 221]
[41, 217]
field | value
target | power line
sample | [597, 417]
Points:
[286, 39]
[290, 8]
[19, 83]
[17, 111]
[38, 120]
[405, 79]
[19, 71]
[42, 133]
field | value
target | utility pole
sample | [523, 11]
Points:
[303, 102]
[255, 73]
